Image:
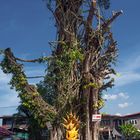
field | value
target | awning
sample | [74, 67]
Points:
[116, 133]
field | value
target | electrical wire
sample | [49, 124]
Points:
[8, 106]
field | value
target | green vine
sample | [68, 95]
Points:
[30, 98]
[91, 84]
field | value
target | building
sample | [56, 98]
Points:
[4, 133]
[19, 125]
[133, 119]
[16, 124]
[110, 124]
[109, 127]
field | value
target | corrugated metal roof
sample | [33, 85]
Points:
[131, 115]
[5, 132]
[121, 116]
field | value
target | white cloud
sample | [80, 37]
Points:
[133, 63]
[4, 80]
[127, 78]
[118, 114]
[115, 96]
[110, 97]
[124, 105]
[8, 97]
[123, 95]
[3, 77]
[129, 73]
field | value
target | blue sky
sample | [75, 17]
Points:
[27, 26]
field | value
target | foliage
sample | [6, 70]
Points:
[94, 85]
[100, 104]
[130, 131]
[34, 129]
[30, 97]
[81, 61]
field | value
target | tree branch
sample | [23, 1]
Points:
[29, 95]
[34, 60]
[91, 14]
[115, 15]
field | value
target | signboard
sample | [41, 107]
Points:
[96, 117]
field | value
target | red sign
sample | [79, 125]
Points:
[96, 117]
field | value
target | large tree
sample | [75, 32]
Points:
[78, 69]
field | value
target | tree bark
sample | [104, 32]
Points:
[95, 125]
[88, 132]
[56, 134]
[91, 129]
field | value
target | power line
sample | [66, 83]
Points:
[8, 106]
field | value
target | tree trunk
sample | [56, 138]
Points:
[95, 132]
[91, 129]
[95, 125]
[56, 134]
[88, 132]
[90, 94]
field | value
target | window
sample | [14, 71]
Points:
[120, 122]
[135, 121]
[0, 122]
[8, 122]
